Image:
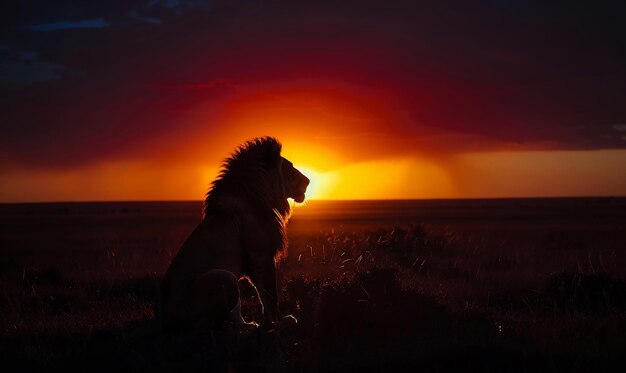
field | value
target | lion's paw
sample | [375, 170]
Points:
[288, 320]
[285, 322]
[244, 327]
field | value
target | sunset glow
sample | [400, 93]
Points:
[348, 151]
[322, 183]
[416, 104]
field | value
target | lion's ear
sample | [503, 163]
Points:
[271, 157]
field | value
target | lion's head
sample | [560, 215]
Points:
[257, 174]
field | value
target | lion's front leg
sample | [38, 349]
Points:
[235, 314]
[238, 321]
[263, 276]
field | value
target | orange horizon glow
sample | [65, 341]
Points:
[472, 175]
[350, 146]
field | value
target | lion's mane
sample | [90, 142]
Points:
[251, 178]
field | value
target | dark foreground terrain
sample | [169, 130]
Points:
[491, 285]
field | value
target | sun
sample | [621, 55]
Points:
[321, 182]
[316, 163]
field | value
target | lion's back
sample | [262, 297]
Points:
[214, 244]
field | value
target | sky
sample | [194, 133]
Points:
[141, 100]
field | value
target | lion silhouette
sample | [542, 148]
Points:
[242, 235]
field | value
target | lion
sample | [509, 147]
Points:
[242, 235]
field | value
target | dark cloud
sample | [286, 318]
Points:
[155, 11]
[135, 15]
[19, 73]
[514, 71]
[19, 69]
[67, 25]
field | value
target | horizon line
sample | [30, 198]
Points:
[320, 200]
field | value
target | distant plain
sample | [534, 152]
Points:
[437, 285]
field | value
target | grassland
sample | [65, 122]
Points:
[510, 285]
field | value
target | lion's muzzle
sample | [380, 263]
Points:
[303, 183]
